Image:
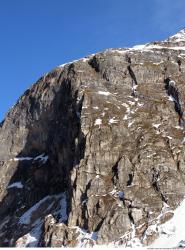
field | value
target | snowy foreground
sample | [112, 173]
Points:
[172, 233]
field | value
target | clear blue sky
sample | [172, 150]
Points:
[38, 35]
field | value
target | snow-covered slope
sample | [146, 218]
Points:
[172, 233]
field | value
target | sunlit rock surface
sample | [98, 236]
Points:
[93, 153]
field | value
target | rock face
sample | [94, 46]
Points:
[93, 153]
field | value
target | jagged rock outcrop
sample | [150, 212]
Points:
[93, 153]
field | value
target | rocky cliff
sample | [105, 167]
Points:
[93, 152]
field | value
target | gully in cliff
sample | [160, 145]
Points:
[172, 92]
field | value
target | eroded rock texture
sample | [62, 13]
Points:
[93, 153]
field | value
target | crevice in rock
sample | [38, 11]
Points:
[84, 199]
[94, 64]
[178, 165]
[130, 216]
[132, 75]
[129, 182]
[179, 64]
[115, 176]
[84, 195]
[99, 225]
[155, 179]
[172, 92]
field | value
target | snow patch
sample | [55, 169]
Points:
[179, 37]
[113, 120]
[171, 233]
[84, 59]
[26, 217]
[16, 185]
[125, 117]
[95, 107]
[140, 104]
[104, 93]
[131, 103]
[98, 122]
[169, 137]
[84, 237]
[170, 98]
[27, 158]
[156, 125]
[41, 158]
[130, 124]
[22, 159]
[63, 208]
[31, 239]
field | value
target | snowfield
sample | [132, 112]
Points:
[172, 233]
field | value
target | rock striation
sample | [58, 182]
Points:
[93, 153]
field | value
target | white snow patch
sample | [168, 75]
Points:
[130, 238]
[126, 106]
[22, 159]
[156, 125]
[138, 47]
[113, 120]
[140, 104]
[150, 47]
[131, 103]
[41, 158]
[130, 124]
[172, 232]
[98, 122]
[170, 98]
[31, 239]
[84, 107]
[78, 114]
[178, 127]
[136, 99]
[169, 137]
[95, 107]
[113, 192]
[121, 51]
[26, 217]
[149, 156]
[179, 37]
[84, 237]
[85, 59]
[134, 88]
[27, 158]
[158, 132]
[104, 93]
[125, 117]
[16, 185]
[63, 208]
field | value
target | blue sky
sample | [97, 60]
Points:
[38, 35]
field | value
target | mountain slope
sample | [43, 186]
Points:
[93, 153]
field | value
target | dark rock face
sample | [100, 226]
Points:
[93, 153]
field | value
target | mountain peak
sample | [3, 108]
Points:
[178, 37]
